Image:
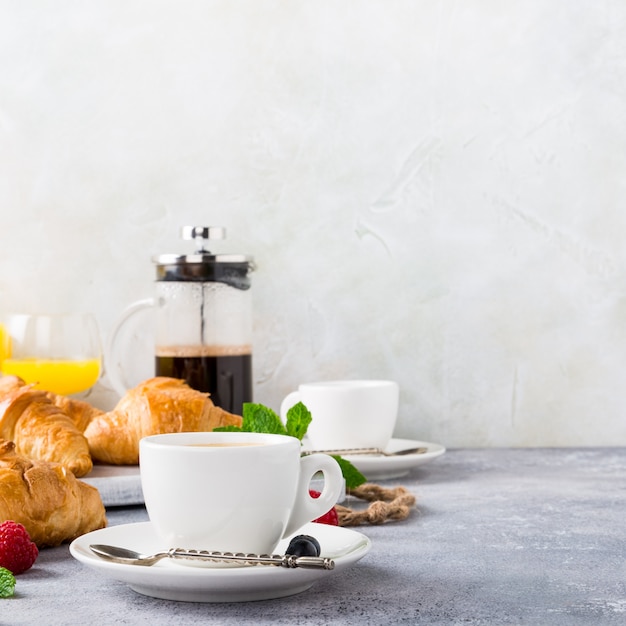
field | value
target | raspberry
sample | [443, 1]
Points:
[330, 517]
[17, 551]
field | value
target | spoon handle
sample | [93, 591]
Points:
[371, 451]
[286, 560]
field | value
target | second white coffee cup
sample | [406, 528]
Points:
[232, 492]
[348, 413]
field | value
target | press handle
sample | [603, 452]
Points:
[116, 352]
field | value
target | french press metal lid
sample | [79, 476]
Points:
[203, 265]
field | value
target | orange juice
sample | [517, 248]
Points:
[5, 344]
[61, 376]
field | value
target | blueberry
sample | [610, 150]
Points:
[304, 545]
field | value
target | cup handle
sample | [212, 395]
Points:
[307, 508]
[112, 358]
[292, 399]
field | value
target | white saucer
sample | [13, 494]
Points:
[382, 467]
[170, 580]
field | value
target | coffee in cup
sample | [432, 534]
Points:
[232, 491]
[348, 413]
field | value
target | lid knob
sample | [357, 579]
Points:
[200, 234]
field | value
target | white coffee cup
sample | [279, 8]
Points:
[232, 491]
[348, 413]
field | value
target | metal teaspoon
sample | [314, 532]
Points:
[372, 451]
[130, 557]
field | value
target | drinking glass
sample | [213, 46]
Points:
[59, 352]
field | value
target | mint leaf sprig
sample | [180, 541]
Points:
[258, 418]
[7, 583]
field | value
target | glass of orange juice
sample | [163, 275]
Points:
[58, 352]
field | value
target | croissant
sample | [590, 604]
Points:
[79, 411]
[9, 384]
[47, 499]
[41, 430]
[158, 405]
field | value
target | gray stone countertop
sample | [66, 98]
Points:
[498, 536]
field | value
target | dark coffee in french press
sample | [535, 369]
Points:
[204, 320]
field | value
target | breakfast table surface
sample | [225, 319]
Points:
[497, 536]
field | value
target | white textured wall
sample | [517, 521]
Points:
[433, 190]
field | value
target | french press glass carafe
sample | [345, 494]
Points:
[203, 321]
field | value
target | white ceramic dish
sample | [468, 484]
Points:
[384, 467]
[170, 580]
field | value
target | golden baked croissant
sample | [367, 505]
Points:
[79, 411]
[47, 499]
[9, 384]
[41, 430]
[158, 405]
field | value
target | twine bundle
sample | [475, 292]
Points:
[386, 505]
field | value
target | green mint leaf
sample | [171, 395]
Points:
[7, 583]
[298, 420]
[261, 419]
[351, 474]
[231, 428]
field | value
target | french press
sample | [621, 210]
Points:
[203, 321]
